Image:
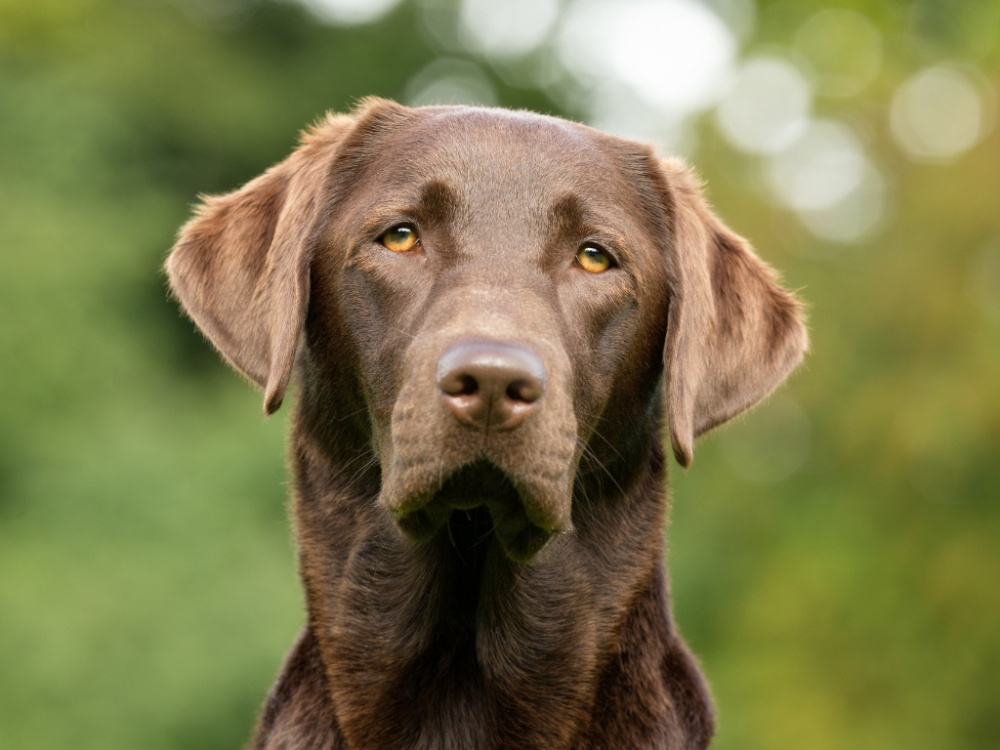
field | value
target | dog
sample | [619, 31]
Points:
[494, 320]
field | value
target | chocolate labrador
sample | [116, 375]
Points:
[493, 318]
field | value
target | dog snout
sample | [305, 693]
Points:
[491, 385]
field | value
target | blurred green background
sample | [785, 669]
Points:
[835, 555]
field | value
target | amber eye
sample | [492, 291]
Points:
[593, 259]
[400, 239]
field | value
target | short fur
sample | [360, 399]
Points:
[469, 588]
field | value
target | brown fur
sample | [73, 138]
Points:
[469, 588]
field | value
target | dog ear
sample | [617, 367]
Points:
[240, 267]
[733, 334]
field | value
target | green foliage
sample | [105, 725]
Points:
[835, 554]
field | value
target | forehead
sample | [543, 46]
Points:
[510, 165]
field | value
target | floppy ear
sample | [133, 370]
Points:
[240, 267]
[733, 334]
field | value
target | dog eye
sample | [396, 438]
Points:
[400, 239]
[593, 259]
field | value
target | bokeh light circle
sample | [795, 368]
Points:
[676, 54]
[939, 113]
[349, 12]
[508, 29]
[767, 106]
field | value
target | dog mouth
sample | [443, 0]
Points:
[475, 504]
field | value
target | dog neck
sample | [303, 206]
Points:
[452, 644]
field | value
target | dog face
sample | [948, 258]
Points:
[452, 258]
[505, 295]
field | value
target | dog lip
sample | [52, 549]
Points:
[419, 525]
[413, 504]
[519, 538]
[521, 523]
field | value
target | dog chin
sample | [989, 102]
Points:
[428, 515]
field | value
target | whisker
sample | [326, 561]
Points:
[592, 457]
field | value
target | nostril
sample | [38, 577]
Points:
[459, 384]
[469, 386]
[526, 391]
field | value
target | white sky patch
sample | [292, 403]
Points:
[511, 28]
[766, 108]
[675, 54]
[940, 113]
[349, 12]
[448, 81]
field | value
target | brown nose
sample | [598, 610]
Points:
[491, 385]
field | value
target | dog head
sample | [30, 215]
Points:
[507, 295]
